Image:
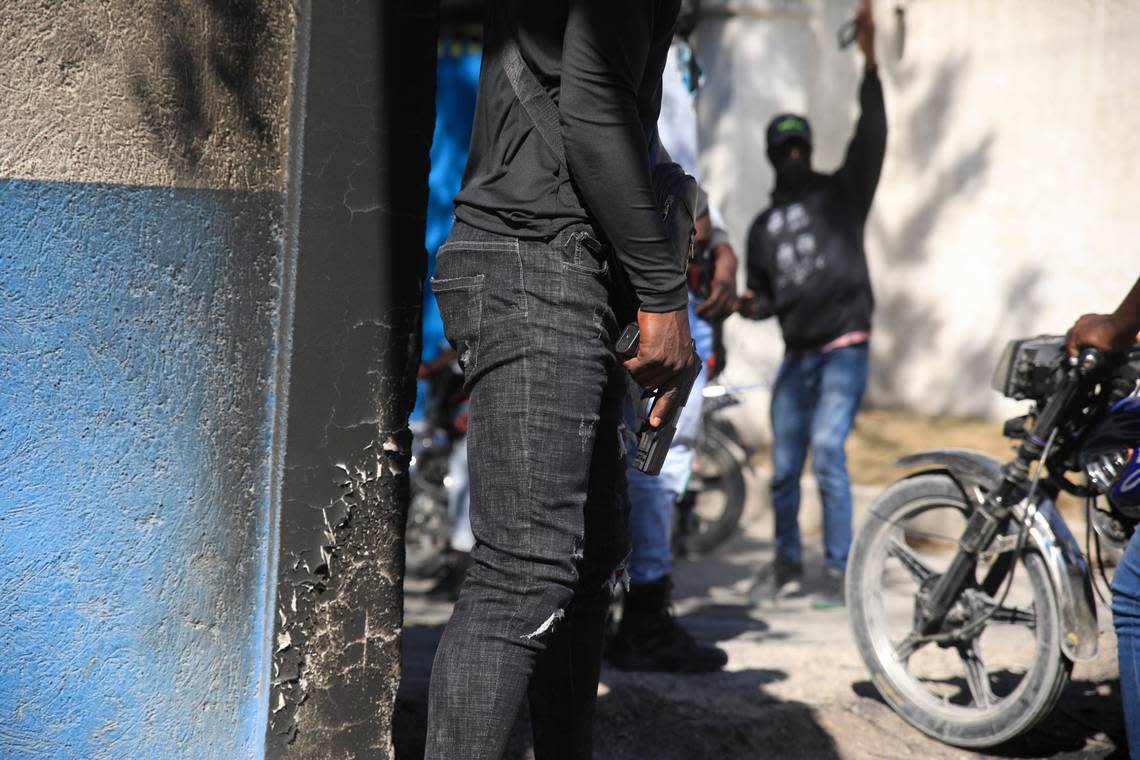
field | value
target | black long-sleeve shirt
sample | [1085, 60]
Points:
[806, 262]
[601, 63]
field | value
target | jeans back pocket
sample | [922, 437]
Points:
[460, 302]
[586, 255]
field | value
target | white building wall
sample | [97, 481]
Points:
[1010, 198]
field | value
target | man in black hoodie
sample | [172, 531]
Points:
[807, 266]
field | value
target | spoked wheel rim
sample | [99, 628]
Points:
[714, 499]
[972, 676]
[429, 523]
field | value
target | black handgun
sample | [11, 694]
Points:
[653, 442]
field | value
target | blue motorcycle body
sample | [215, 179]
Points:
[1120, 431]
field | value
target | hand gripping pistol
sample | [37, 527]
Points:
[653, 442]
[677, 194]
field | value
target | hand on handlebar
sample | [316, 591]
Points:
[1099, 331]
[665, 351]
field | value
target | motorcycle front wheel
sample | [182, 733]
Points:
[429, 522]
[710, 509]
[1003, 671]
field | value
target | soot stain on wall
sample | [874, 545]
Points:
[204, 77]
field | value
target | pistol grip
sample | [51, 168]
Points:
[629, 342]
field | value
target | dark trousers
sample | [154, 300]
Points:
[533, 324]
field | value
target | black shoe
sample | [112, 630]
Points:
[648, 638]
[777, 580]
[833, 591]
[450, 577]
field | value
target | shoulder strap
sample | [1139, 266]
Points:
[535, 100]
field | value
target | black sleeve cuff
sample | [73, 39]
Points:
[659, 302]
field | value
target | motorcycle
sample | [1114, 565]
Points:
[709, 511]
[969, 596]
[430, 522]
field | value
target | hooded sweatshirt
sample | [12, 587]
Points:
[806, 263]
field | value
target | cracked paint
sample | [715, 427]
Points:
[341, 559]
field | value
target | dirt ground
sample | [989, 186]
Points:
[794, 686]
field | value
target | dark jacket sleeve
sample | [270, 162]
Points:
[859, 175]
[758, 280]
[605, 55]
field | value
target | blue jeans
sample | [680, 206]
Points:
[814, 402]
[652, 498]
[1126, 616]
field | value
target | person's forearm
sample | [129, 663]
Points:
[616, 189]
[719, 233]
[863, 163]
[724, 261]
[1127, 315]
[872, 126]
[866, 34]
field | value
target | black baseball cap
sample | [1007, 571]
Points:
[786, 127]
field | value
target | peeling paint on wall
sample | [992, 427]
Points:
[311, 651]
[360, 267]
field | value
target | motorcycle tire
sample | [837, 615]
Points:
[716, 457]
[428, 527]
[980, 723]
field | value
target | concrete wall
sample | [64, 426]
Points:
[359, 196]
[141, 192]
[210, 267]
[1006, 203]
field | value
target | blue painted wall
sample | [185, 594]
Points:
[457, 85]
[137, 351]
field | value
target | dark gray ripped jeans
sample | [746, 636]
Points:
[534, 326]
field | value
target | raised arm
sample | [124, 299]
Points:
[864, 160]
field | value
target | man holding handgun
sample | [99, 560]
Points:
[557, 212]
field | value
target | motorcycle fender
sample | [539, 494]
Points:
[976, 473]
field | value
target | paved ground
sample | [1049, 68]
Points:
[794, 686]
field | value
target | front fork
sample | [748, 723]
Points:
[989, 518]
[982, 528]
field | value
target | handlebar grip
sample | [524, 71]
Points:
[1090, 359]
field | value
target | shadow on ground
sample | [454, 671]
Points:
[1087, 717]
[645, 715]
